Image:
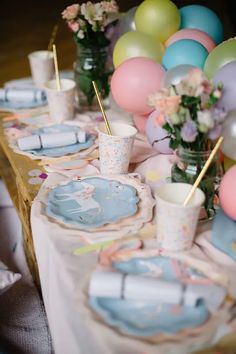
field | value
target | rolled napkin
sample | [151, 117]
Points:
[138, 287]
[53, 140]
[29, 95]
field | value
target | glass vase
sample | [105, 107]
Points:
[92, 64]
[187, 168]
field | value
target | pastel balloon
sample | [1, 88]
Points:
[185, 51]
[134, 81]
[157, 136]
[227, 76]
[204, 19]
[229, 133]
[194, 34]
[220, 56]
[140, 122]
[227, 193]
[137, 44]
[159, 18]
[126, 22]
[176, 74]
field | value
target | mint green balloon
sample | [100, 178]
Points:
[158, 18]
[137, 44]
[223, 54]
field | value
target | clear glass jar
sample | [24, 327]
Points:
[188, 167]
[92, 64]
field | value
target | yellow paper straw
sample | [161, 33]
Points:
[102, 109]
[53, 37]
[56, 68]
[205, 167]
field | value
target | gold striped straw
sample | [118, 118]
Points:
[205, 167]
[53, 37]
[56, 67]
[108, 128]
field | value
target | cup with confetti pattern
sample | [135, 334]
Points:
[61, 102]
[175, 223]
[115, 150]
[42, 66]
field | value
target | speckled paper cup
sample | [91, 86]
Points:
[61, 102]
[115, 149]
[176, 224]
[42, 67]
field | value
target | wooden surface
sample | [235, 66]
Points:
[14, 170]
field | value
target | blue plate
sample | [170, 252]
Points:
[63, 150]
[224, 234]
[145, 318]
[22, 104]
[92, 202]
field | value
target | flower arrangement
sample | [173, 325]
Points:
[92, 25]
[188, 112]
[89, 21]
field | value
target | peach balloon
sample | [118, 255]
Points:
[228, 193]
[194, 34]
[134, 81]
[140, 122]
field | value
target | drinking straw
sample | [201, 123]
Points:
[56, 68]
[102, 109]
[205, 167]
[53, 37]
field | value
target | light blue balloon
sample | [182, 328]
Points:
[185, 51]
[204, 19]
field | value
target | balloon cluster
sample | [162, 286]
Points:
[159, 44]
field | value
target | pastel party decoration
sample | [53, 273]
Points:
[157, 136]
[221, 55]
[227, 193]
[41, 66]
[61, 102]
[92, 202]
[195, 34]
[176, 74]
[140, 122]
[133, 82]
[137, 44]
[115, 149]
[204, 19]
[157, 18]
[224, 234]
[126, 21]
[227, 76]
[176, 223]
[229, 133]
[185, 51]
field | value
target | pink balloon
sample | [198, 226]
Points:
[133, 81]
[140, 122]
[194, 34]
[228, 193]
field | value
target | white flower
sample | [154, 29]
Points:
[205, 120]
[92, 12]
[80, 34]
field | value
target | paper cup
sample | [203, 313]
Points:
[176, 224]
[61, 103]
[42, 67]
[115, 149]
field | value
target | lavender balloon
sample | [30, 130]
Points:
[157, 136]
[227, 76]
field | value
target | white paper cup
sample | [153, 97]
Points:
[61, 102]
[176, 224]
[42, 66]
[115, 149]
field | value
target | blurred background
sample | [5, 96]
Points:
[26, 26]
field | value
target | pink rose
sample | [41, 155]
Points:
[168, 105]
[71, 12]
[73, 26]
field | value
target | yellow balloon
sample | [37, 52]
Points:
[137, 44]
[223, 54]
[159, 18]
